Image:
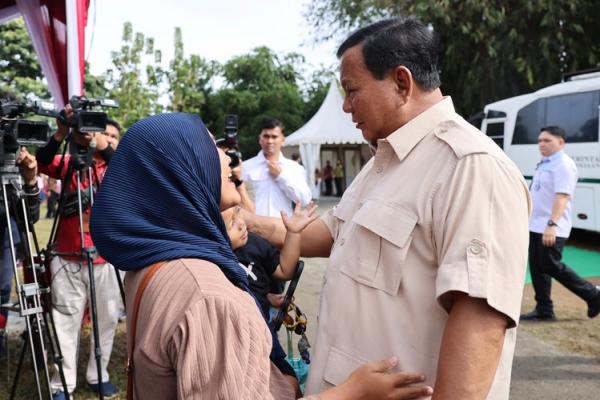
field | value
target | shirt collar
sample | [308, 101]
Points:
[261, 157]
[405, 138]
[554, 156]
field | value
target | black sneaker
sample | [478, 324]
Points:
[535, 315]
[594, 305]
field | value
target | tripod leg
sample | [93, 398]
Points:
[29, 294]
[19, 365]
[57, 357]
[94, 313]
[40, 350]
[29, 339]
[121, 288]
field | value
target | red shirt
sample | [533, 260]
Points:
[68, 238]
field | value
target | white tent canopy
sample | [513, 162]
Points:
[330, 125]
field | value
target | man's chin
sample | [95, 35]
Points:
[369, 137]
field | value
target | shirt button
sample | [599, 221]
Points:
[475, 249]
[342, 241]
[379, 170]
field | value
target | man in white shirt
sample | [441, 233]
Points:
[552, 191]
[277, 181]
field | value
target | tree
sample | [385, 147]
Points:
[137, 90]
[190, 79]
[20, 72]
[489, 50]
[94, 86]
[258, 85]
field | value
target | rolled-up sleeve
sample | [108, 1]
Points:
[331, 222]
[481, 233]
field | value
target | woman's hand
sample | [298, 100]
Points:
[375, 381]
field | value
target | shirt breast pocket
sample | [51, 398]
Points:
[258, 174]
[377, 244]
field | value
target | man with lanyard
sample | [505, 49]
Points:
[277, 181]
[552, 191]
[70, 275]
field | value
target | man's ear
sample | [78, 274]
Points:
[403, 80]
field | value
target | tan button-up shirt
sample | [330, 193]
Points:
[439, 208]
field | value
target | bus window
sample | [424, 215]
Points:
[577, 114]
[495, 131]
[529, 121]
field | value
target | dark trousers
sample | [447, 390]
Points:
[339, 186]
[545, 263]
[52, 203]
[328, 186]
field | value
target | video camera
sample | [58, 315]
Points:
[230, 140]
[84, 120]
[16, 131]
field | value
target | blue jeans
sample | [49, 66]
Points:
[6, 268]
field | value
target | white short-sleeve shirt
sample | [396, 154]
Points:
[554, 174]
[273, 195]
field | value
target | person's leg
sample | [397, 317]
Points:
[6, 276]
[69, 298]
[52, 204]
[566, 276]
[542, 283]
[108, 300]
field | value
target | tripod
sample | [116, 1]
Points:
[30, 294]
[81, 168]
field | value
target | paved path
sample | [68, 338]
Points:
[543, 372]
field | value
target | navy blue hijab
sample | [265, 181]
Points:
[160, 198]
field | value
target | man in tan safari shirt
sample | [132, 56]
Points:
[428, 246]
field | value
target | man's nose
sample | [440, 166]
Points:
[346, 105]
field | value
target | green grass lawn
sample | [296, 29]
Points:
[26, 388]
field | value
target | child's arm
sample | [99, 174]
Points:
[290, 252]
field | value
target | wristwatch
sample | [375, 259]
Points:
[551, 223]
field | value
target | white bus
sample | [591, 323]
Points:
[514, 124]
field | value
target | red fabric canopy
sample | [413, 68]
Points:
[57, 30]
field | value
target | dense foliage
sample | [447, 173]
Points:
[489, 49]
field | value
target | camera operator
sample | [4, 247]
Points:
[70, 276]
[28, 167]
[236, 178]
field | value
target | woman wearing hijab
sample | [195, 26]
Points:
[195, 332]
